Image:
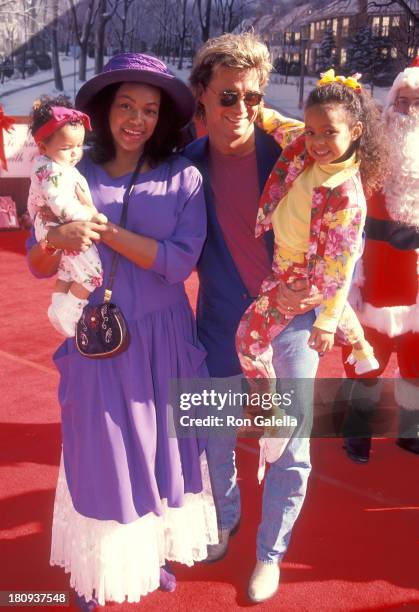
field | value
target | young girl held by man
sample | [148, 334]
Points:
[314, 201]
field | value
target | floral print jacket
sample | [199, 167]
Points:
[338, 214]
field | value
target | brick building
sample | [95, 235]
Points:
[301, 31]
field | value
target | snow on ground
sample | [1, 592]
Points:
[279, 95]
[18, 95]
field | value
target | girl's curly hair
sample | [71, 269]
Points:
[371, 148]
[41, 110]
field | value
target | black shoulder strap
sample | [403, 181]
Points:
[122, 223]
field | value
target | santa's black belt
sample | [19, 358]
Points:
[399, 235]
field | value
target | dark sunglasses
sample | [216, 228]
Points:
[230, 97]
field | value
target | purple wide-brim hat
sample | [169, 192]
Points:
[139, 68]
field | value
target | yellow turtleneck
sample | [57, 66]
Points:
[291, 219]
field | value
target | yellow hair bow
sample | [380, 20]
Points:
[330, 77]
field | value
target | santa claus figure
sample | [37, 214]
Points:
[386, 290]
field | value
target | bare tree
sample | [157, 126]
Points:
[83, 31]
[103, 17]
[183, 26]
[121, 30]
[204, 15]
[230, 13]
[164, 14]
[58, 79]
[143, 26]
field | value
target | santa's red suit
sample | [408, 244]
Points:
[388, 281]
[387, 275]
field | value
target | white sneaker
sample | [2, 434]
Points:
[216, 552]
[369, 364]
[264, 581]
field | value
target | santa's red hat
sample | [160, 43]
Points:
[409, 77]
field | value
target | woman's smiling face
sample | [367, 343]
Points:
[133, 116]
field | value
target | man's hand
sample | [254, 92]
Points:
[321, 341]
[291, 302]
[76, 235]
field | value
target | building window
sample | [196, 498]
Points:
[375, 26]
[312, 30]
[295, 57]
[296, 37]
[393, 52]
[322, 24]
[318, 25]
[411, 52]
[384, 52]
[343, 56]
[287, 37]
[385, 27]
[345, 27]
[395, 22]
[335, 27]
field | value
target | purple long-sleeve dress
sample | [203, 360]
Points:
[120, 464]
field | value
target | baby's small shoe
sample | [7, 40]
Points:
[65, 312]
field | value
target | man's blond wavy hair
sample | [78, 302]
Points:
[240, 51]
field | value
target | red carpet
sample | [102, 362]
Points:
[355, 546]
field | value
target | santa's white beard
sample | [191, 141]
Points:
[401, 186]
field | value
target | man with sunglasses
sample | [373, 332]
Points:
[228, 78]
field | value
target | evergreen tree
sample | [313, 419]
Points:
[326, 58]
[360, 52]
[368, 54]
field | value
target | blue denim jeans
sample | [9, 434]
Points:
[286, 480]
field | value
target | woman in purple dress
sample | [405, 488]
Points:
[129, 495]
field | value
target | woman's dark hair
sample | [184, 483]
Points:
[41, 111]
[371, 148]
[166, 138]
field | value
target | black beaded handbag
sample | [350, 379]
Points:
[101, 331]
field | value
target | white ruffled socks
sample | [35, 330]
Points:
[64, 312]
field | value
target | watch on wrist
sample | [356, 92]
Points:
[48, 247]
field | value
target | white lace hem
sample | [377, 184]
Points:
[114, 561]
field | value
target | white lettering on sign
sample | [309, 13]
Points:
[20, 150]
